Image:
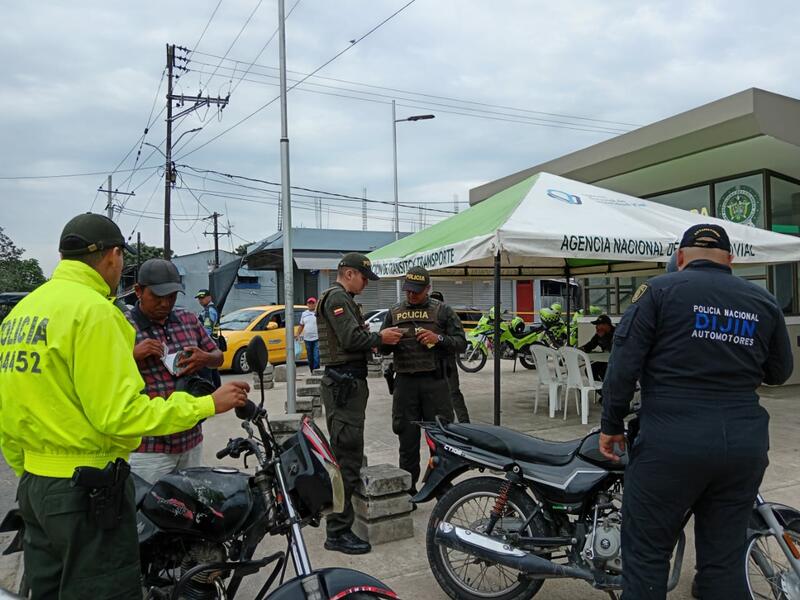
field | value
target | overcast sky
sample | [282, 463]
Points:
[79, 80]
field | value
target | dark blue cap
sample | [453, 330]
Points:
[706, 235]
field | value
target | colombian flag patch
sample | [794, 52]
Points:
[338, 312]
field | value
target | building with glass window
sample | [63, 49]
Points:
[737, 159]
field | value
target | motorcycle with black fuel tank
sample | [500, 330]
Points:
[199, 529]
[554, 511]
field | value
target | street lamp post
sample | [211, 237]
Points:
[395, 121]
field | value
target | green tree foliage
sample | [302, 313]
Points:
[146, 252]
[17, 274]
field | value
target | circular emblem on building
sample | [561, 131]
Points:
[740, 204]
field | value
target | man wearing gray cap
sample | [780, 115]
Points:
[171, 345]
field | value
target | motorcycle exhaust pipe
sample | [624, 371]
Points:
[495, 551]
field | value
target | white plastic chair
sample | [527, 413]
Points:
[579, 378]
[550, 373]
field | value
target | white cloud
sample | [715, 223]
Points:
[80, 80]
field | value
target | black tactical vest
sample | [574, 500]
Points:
[331, 352]
[409, 355]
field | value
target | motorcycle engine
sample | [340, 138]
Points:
[506, 351]
[202, 586]
[604, 544]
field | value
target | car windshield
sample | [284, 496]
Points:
[369, 314]
[239, 320]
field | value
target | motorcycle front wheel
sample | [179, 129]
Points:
[526, 359]
[769, 574]
[469, 505]
[473, 359]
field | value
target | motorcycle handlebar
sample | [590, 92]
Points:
[223, 453]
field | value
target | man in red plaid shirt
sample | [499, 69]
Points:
[160, 325]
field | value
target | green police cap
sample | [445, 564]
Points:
[359, 262]
[417, 279]
[89, 233]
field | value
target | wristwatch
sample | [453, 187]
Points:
[439, 338]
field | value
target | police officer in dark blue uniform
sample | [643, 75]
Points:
[699, 341]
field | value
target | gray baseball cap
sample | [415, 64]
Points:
[161, 276]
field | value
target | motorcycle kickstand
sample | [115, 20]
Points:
[613, 595]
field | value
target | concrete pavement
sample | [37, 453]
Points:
[403, 565]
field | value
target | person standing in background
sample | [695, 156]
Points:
[308, 333]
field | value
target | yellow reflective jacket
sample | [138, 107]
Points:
[70, 391]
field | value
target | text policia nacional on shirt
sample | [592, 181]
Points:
[725, 325]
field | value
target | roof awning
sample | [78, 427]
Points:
[309, 260]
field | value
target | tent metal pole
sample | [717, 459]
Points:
[496, 341]
[569, 299]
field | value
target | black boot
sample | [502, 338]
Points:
[347, 543]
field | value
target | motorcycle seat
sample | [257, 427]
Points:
[140, 489]
[518, 446]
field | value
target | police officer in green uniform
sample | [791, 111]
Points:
[72, 409]
[345, 346]
[459, 405]
[431, 331]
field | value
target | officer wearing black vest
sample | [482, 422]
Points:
[345, 346]
[700, 341]
[431, 331]
[459, 405]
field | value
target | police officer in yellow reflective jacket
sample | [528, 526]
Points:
[431, 332]
[71, 397]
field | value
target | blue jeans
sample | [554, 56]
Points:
[312, 351]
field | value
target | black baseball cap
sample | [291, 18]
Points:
[161, 276]
[358, 261]
[602, 320]
[417, 279]
[706, 235]
[202, 293]
[89, 233]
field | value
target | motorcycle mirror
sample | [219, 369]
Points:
[257, 355]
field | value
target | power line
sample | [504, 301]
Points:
[456, 110]
[67, 175]
[210, 19]
[231, 91]
[333, 195]
[440, 97]
[238, 35]
[353, 44]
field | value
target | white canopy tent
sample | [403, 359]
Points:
[550, 226]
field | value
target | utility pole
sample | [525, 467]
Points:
[280, 213]
[179, 100]
[286, 200]
[138, 252]
[364, 211]
[109, 204]
[168, 154]
[215, 217]
[110, 201]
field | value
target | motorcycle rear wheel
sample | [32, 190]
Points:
[463, 577]
[472, 360]
[769, 574]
